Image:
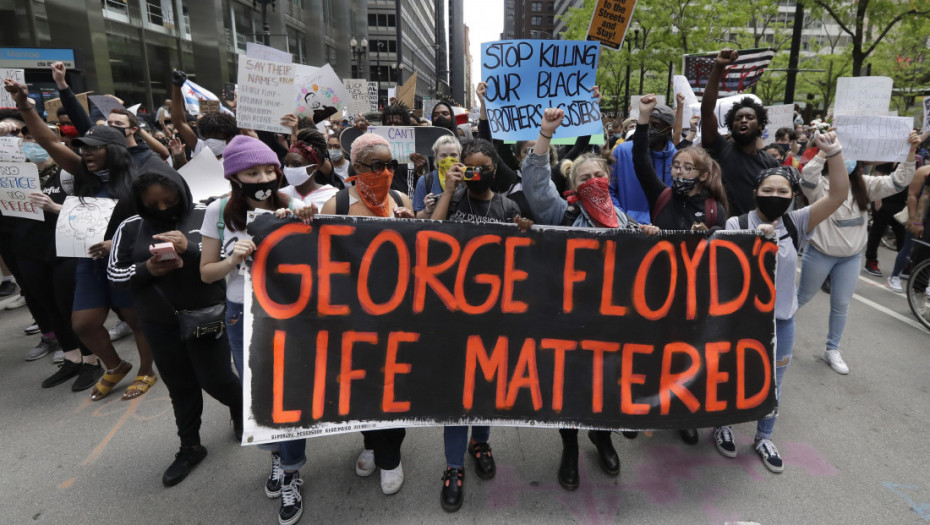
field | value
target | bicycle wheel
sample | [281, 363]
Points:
[918, 292]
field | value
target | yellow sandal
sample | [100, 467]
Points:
[109, 380]
[140, 386]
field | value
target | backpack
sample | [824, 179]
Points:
[342, 201]
[710, 207]
[785, 219]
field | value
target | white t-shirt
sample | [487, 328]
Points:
[235, 282]
[343, 172]
[318, 196]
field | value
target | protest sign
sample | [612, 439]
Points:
[403, 139]
[134, 109]
[355, 323]
[82, 223]
[926, 114]
[525, 77]
[358, 96]
[319, 93]
[256, 50]
[204, 176]
[781, 116]
[863, 96]
[373, 95]
[610, 20]
[53, 105]
[634, 104]
[105, 103]
[406, 93]
[11, 149]
[19, 75]
[681, 85]
[722, 108]
[391, 94]
[17, 181]
[209, 106]
[873, 138]
[429, 104]
[266, 93]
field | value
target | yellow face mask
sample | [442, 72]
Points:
[443, 167]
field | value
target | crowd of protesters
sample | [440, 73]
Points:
[183, 302]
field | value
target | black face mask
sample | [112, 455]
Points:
[682, 186]
[260, 190]
[772, 207]
[657, 138]
[169, 216]
[443, 122]
[481, 185]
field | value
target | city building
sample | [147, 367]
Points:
[561, 8]
[468, 101]
[457, 51]
[531, 19]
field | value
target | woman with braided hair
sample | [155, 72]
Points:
[304, 167]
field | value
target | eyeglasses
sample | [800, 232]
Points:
[87, 150]
[380, 165]
[686, 169]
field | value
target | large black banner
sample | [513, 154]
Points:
[360, 323]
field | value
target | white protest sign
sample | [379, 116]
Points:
[681, 85]
[862, 96]
[135, 109]
[11, 149]
[926, 114]
[781, 116]
[634, 104]
[391, 93]
[723, 107]
[19, 75]
[358, 96]
[17, 181]
[318, 93]
[373, 95]
[204, 176]
[82, 223]
[266, 93]
[256, 50]
[873, 138]
[402, 140]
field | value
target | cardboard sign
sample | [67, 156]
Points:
[872, 138]
[204, 176]
[926, 114]
[525, 77]
[373, 95]
[723, 107]
[209, 106]
[52, 106]
[266, 93]
[863, 96]
[407, 92]
[19, 75]
[256, 50]
[17, 181]
[781, 116]
[610, 20]
[634, 104]
[356, 323]
[403, 140]
[319, 93]
[105, 103]
[82, 223]
[11, 149]
[358, 96]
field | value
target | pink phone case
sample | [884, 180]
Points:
[165, 252]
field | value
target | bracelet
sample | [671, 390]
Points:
[544, 135]
[835, 153]
[917, 224]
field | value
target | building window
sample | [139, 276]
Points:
[536, 21]
[550, 20]
[536, 7]
[388, 46]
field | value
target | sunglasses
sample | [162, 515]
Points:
[91, 149]
[379, 165]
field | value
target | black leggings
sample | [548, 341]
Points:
[386, 445]
[186, 367]
[881, 219]
[49, 290]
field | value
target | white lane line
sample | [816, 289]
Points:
[890, 312]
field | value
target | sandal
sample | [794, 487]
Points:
[138, 387]
[109, 380]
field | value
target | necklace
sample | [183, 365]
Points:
[472, 210]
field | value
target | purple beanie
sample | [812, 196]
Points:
[244, 152]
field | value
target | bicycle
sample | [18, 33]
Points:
[918, 291]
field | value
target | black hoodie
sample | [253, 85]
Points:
[183, 288]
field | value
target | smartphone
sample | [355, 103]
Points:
[471, 172]
[229, 91]
[164, 251]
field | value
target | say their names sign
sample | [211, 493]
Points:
[863, 96]
[526, 77]
[266, 91]
[17, 181]
[610, 20]
[874, 138]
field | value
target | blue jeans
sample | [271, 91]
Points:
[904, 255]
[456, 442]
[784, 333]
[293, 453]
[844, 275]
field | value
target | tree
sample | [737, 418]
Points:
[862, 19]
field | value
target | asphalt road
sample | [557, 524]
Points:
[855, 449]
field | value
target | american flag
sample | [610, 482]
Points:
[739, 76]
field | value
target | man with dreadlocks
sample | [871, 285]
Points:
[740, 159]
[305, 168]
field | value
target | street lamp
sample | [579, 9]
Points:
[400, 74]
[358, 51]
[266, 30]
[378, 66]
[629, 49]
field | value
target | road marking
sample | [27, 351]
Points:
[130, 410]
[890, 312]
[67, 483]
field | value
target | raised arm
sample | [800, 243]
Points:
[157, 147]
[61, 154]
[69, 101]
[679, 117]
[178, 118]
[540, 192]
[709, 123]
[839, 180]
[642, 164]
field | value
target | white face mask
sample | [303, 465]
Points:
[297, 176]
[216, 146]
[335, 155]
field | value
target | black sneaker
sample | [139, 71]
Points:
[184, 461]
[769, 454]
[723, 439]
[66, 371]
[872, 268]
[8, 288]
[273, 484]
[689, 436]
[292, 505]
[451, 495]
[484, 463]
[87, 377]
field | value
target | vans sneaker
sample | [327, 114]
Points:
[769, 454]
[723, 439]
[292, 504]
[276, 478]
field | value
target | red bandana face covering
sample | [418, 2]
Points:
[594, 195]
[373, 190]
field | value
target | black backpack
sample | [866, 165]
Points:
[786, 220]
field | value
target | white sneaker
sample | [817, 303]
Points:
[58, 357]
[835, 360]
[392, 480]
[894, 284]
[19, 302]
[119, 331]
[365, 464]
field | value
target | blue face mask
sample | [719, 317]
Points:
[34, 152]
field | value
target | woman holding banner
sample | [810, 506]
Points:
[835, 249]
[103, 169]
[589, 206]
[303, 169]
[775, 189]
